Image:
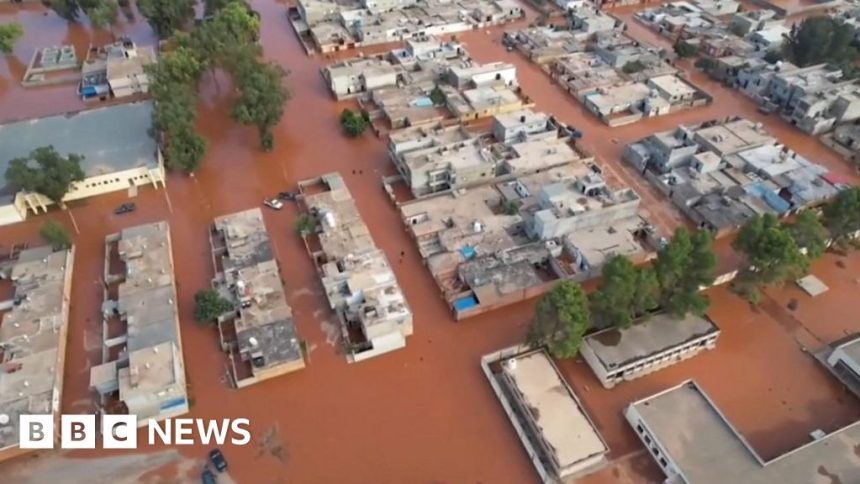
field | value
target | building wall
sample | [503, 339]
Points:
[507, 135]
[89, 187]
[585, 220]
[263, 374]
[640, 368]
[634, 418]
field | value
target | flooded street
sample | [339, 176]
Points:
[424, 414]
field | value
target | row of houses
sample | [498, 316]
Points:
[618, 79]
[360, 286]
[425, 82]
[500, 217]
[33, 331]
[258, 332]
[724, 172]
[333, 26]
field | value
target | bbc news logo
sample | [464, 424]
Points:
[120, 431]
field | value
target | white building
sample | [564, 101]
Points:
[358, 280]
[118, 152]
[617, 355]
[480, 74]
[694, 443]
[142, 360]
[560, 438]
[33, 334]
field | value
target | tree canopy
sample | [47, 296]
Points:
[55, 234]
[262, 96]
[771, 252]
[103, 14]
[46, 172]
[354, 124]
[624, 294]
[842, 215]
[808, 232]
[167, 16]
[685, 49]
[100, 12]
[226, 39]
[9, 35]
[682, 268]
[208, 305]
[821, 39]
[561, 320]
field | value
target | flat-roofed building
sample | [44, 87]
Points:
[142, 351]
[694, 443]
[358, 280]
[555, 429]
[33, 327]
[620, 354]
[259, 334]
[118, 153]
[843, 358]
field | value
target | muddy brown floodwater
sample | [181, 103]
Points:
[423, 414]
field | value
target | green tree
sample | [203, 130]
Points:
[55, 234]
[46, 172]
[773, 56]
[437, 96]
[66, 9]
[166, 16]
[9, 35]
[262, 98]
[685, 49]
[808, 232]
[842, 216]
[633, 67]
[306, 225]
[185, 149]
[209, 305]
[611, 304]
[510, 207]
[771, 253]
[561, 320]
[706, 64]
[682, 268]
[353, 124]
[103, 13]
[739, 29]
[646, 292]
[821, 39]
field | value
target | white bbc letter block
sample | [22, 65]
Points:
[36, 431]
[78, 432]
[119, 432]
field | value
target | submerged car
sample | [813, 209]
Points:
[273, 203]
[125, 208]
[217, 459]
[287, 196]
[207, 477]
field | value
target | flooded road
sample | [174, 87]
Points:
[423, 414]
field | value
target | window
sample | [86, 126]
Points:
[640, 429]
[647, 440]
[663, 462]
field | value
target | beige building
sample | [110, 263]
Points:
[556, 431]
[358, 280]
[259, 334]
[119, 154]
[33, 328]
[616, 355]
[142, 358]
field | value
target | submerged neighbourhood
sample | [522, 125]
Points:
[638, 220]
